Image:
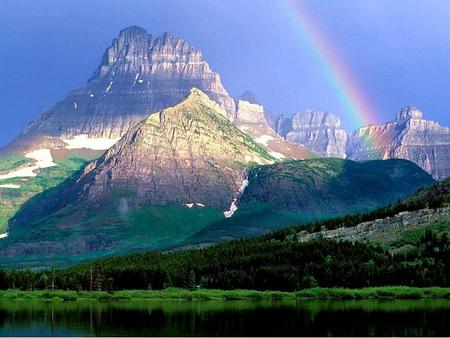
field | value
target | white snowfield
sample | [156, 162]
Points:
[263, 139]
[109, 86]
[3, 235]
[231, 211]
[43, 159]
[233, 206]
[85, 142]
[10, 186]
[190, 205]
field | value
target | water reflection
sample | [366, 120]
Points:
[222, 318]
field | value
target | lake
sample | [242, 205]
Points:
[425, 317]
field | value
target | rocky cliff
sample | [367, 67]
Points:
[378, 230]
[408, 136]
[251, 118]
[319, 131]
[139, 74]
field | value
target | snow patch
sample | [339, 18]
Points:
[3, 235]
[243, 186]
[135, 78]
[230, 212]
[233, 206]
[200, 205]
[109, 87]
[91, 95]
[75, 105]
[85, 142]
[278, 156]
[140, 81]
[43, 159]
[263, 139]
[10, 186]
[189, 205]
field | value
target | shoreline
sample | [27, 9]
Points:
[386, 292]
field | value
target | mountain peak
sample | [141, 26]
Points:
[316, 118]
[249, 97]
[133, 30]
[318, 130]
[196, 93]
[408, 113]
[138, 75]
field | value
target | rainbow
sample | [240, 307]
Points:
[330, 63]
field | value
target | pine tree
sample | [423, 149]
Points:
[191, 280]
[98, 276]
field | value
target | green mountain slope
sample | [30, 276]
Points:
[288, 193]
[278, 262]
[14, 192]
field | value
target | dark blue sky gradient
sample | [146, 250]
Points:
[398, 51]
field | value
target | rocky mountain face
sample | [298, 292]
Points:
[319, 131]
[138, 75]
[251, 118]
[408, 136]
[189, 153]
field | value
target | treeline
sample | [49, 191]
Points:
[270, 262]
[256, 263]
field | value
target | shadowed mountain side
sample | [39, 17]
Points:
[294, 192]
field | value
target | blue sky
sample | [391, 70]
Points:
[398, 51]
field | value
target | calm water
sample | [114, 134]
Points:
[261, 318]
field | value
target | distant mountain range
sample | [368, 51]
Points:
[153, 153]
[408, 136]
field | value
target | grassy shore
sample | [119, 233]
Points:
[387, 292]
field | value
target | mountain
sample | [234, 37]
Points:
[139, 74]
[189, 153]
[295, 192]
[251, 118]
[175, 172]
[319, 131]
[408, 136]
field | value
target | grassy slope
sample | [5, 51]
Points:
[13, 199]
[399, 240]
[109, 229]
[387, 292]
